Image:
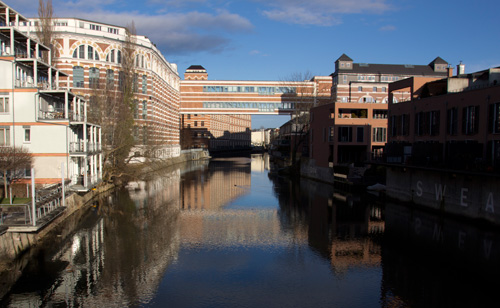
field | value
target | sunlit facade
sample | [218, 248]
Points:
[217, 113]
[92, 54]
[40, 115]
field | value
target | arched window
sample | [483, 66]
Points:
[78, 79]
[114, 56]
[79, 53]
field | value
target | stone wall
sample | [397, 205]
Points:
[465, 194]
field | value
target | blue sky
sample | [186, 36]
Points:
[273, 39]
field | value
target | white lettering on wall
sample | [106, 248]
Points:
[437, 235]
[463, 196]
[440, 191]
[489, 204]
[420, 191]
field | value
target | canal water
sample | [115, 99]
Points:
[230, 233]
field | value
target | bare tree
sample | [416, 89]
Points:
[112, 106]
[45, 25]
[302, 92]
[13, 163]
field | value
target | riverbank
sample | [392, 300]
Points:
[16, 248]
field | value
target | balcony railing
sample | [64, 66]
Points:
[57, 113]
[24, 83]
[79, 147]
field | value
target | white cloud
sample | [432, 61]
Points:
[387, 28]
[173, 33]
[320, 12]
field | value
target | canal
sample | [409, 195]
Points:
[230, 233]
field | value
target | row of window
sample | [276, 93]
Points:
[5, 135]
[94, 79]
[345, 134]
[260, 90]
[428, 123]
[266, 107]
[374, 89]
[114, 55]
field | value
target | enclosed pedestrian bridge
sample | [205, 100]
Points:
[202, 96]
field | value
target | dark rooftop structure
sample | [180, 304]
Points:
[345, 65]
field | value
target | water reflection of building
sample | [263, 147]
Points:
[215, 187]
[119, 254]
[260, 162]
[340, 228]
[452, 263]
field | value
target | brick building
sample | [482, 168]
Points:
[217, 114]
[92, 54]
[353, 128]
[443, 149]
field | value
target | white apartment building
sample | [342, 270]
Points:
[38, 114]
[91, 53]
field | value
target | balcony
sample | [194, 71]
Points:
[52, 106]
[79, 147]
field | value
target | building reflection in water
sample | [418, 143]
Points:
[122, 252]
[433, 261]
[118, 255]
[343, 228]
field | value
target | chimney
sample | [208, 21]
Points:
[450, 71]
[460, 69]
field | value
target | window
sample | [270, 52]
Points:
[384, 89]
[379, 134]
[331, 133]
[366, 99]
[27, 134]
[345, 134]
[202, 123]
[195, 123]
[114, 56]
[4, 136]
[374, 89]
[360, 89]
[135, 83]
[110, 78]
[360, 131]
[494, 118]
[81, 51]
[95, 27]
[112, 30]
[93, 77]
[121, 80]
[421, 123]
[4, 104]
[90, 52]
[189, 116]
[434, 119]
[144, 109]
[136, 109]
[144, 84]
[78, 81]
[470, 120]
